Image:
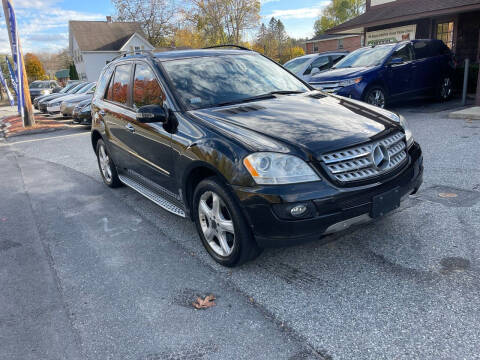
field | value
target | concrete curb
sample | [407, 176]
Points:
[471, 113]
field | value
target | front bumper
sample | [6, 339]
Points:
[84, 118]
[334, 208]
[53, 109]
[67, 109]
[352, 91]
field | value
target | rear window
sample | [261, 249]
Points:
[424, 49]
[118, 88]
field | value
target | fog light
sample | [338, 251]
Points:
[298, 210]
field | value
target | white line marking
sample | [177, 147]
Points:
[46, 138]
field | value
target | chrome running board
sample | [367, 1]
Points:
[149, 194]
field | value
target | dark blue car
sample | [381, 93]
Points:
[382, 73]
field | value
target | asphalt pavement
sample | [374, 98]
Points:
[91, 272]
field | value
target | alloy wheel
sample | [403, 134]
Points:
[446, 88]
[377, 98]
[216, 223]
[104, 162]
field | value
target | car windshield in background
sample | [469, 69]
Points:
[365, 57]
[296, 64]
[219, 80]
[39, 85]
[76, 88]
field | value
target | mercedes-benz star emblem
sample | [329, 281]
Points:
[380, 157]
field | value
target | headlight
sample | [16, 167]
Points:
[349, 82]
[56, 104]
[408, 132]
[274, 168]
[44, 92]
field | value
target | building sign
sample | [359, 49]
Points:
[391, 35]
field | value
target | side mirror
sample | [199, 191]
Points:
[395, 61]
[151, 114]
[315, 71]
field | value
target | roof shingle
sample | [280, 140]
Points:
[401, 8]
[103, 35]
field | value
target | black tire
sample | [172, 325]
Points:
[110, 179]
[370, 94]
[243, 245]
[445, 89]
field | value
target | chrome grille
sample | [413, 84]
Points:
[357, 163]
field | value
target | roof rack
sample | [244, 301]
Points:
[133, 52]
[228, 45]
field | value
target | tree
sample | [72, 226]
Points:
[73, 72]
[158, 18]
[337, 12]
[33, 67]
[223, 21]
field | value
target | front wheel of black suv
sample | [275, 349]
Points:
[106, 166]
[221, 224]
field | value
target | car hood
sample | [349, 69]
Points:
[77, 98]
[312, 122]
[339, 74]
[51, 97]
[62, 98]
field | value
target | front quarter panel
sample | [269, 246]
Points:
[194, 145]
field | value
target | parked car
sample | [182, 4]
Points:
[253, 155]
[67, 106]
[63, 91]
[39, 88]
[53, 106]
[42, 104]
[306, 66]
[383, 73]
[82, 112]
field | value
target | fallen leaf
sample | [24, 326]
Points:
[204, 303]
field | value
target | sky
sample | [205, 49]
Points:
[43, 24]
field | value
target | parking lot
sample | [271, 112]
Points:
[115, 275]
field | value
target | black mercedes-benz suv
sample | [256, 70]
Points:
[252, 154]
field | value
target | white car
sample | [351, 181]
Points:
[303, 66]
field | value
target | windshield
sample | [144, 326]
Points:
[296, 65]
[39, 85]
[75, 88]
[211, 81]
[66, 88]
[365, 57]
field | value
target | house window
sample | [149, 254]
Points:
[340, 44]
[315, 47]
[137, 48]
[445, 33]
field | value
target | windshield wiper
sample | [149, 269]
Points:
[270, 95]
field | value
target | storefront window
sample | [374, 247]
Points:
[445, 33]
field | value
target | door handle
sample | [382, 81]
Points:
[130, 128]
[101, 113]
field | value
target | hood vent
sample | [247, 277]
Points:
[317, 95]
[241, 109]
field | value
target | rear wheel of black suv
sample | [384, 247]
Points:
[106, 166]
[221, 224]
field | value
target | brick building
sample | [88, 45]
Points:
[325, 42]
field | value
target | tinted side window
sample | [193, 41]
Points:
[422, 50]
[404, 53]
[322, 63]
[120, 84]
[336, 58]
[146, 89]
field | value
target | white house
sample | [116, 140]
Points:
[95, 43]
